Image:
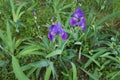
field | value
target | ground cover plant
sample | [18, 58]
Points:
[59, 39]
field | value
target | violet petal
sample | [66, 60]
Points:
[73, 21]
[51, 36]
[64, 36]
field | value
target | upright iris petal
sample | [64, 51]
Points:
[73, 21]
[77, 19]
[56, 29]
[78, 13]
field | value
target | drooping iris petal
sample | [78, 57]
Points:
[51, 36]
[63, 35]
[83, 26]
[81, 23]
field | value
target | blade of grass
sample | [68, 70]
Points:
[90, 75]
[9, 38]
[13, 10]
[48, 73]
[74, 71]
[19, 8]
[92, 59]
[28, 50]
[54, 53]
[17, 69]
[95, 56]
[106, 18]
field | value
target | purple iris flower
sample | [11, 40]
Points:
[56, 29]
[77, 19]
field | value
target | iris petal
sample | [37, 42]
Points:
[56, 29]
[78, 19]
[59, 28]
[73, 21]
[51, 36]
[52, 27]
[58, 24]
[81, 23]
[78, 13]
[64, 36]
[83, 26]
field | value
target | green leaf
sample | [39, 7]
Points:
[17, 69]
[90, 75]
[106, 54]
[106, 18]
[32, 6]
[48, 73]
[19, 8]
[18, 42]
[26, 67]
[61, 4]
[45, 41]
[9, 34]
[74, 71]
[28, 50]
[13, 10]
[63, 44]
[90, 60]
[78, 43]
[94, 57]
[54, 71]
[42, 63]
[95, 74]
[31, 71]
[104, 65]
[90, 17]
[3, 63]
[115, 75]
[9, 38]
[37, 72]
[2, 37]
[38, 64]
[37, 53]
[66, 6]
[21, 14]
[54, 53]
[67, 24]
[113, 59]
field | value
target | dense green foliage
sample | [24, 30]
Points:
[26, 53]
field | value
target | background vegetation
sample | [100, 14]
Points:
[26, 53]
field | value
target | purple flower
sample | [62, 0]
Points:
[77, 19]
[56, 29]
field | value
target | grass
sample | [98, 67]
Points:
[26, 52]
